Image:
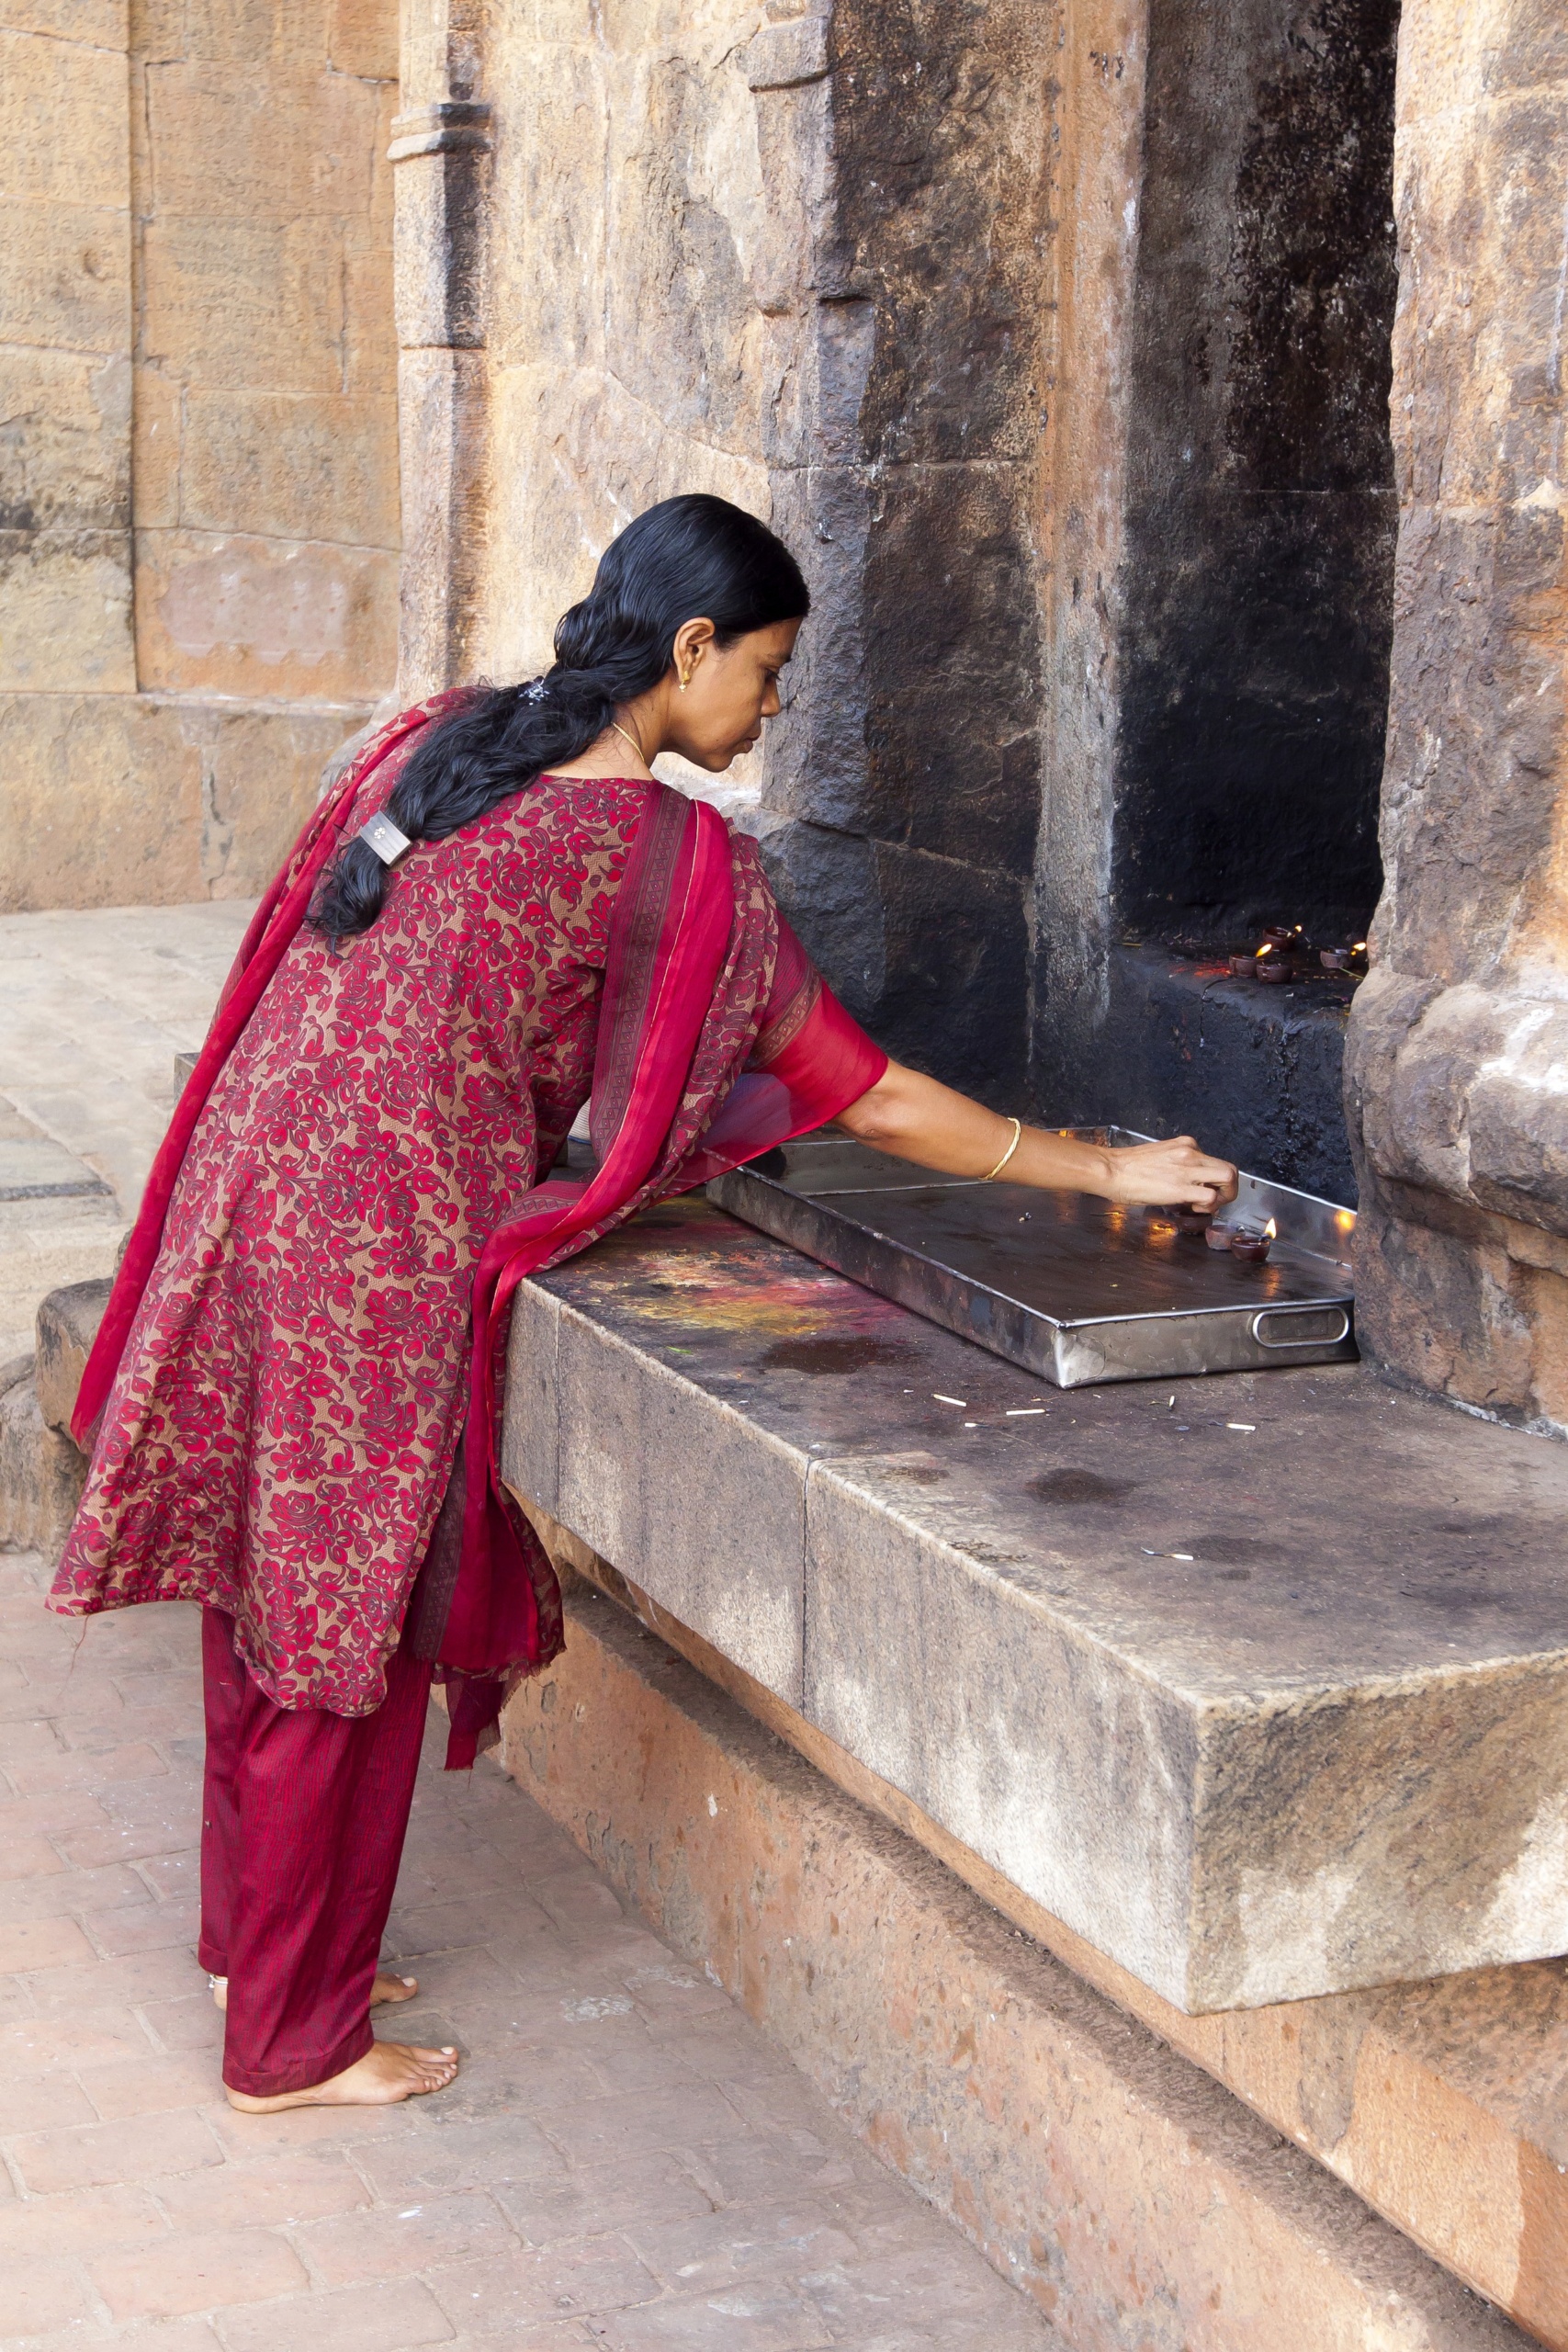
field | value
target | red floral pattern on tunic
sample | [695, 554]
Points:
[290, 1401]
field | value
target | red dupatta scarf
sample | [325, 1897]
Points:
[716, 1040]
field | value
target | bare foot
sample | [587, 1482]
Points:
[386, 1988]
[389, 2071]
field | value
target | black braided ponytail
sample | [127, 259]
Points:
[686, 558]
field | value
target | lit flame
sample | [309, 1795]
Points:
[1359, 949]
[1271, 1231]
[1266, 949]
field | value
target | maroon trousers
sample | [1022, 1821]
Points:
[303, 1825]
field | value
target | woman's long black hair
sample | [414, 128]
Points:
[686, 558]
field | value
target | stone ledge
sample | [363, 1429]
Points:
[1263, 1067]
[1133, 2197]
[41, 1474]
[1261, 1695]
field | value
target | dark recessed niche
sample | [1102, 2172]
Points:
[1261, 528]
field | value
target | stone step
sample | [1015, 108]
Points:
[36, 1168]
[1256, 1682]
[41, 1473]
[1132, 2197]
[67, 1324]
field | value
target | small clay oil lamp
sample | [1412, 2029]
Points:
[1251, 1244]
[1272, 965]
[1190, 1220]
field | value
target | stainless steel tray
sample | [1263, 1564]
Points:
[1075, 1290]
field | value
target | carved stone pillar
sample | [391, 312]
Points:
[441, 150]
[1457, 1089]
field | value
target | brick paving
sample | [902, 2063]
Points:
[624, 2162]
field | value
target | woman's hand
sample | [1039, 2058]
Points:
[1169, 1175]
[916, 1119]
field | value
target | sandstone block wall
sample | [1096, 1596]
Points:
[1458, 1079]
[788, 255]
[1053, 336]
[199, 469]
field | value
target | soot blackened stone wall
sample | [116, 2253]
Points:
[1261, 512]
[911, 776]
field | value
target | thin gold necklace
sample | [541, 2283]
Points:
[636, 747]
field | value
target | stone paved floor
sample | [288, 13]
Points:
[95, 1003]
[624, 2162]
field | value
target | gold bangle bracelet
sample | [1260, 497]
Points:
[1017, 1139]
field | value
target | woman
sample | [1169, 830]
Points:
[498, 914]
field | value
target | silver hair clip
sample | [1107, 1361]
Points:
[379, 833]
[537, 692]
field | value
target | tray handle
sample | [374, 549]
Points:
[1321, 1317]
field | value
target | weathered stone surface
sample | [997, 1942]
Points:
[1260, 1694]
[362, 38]
[117, 800]
[156, 401]
[289, 620]
[439, 240]
[442, 421]
[66, 612]
[34, 1167]
[1261, 513]
[619, 1424]
[919, 946]
[1259, 1071]
[67, 279]
[41, 1474]
[909, 341]
[102, 801]
[1121, 2188]
[64, 459]
[371, 353]
[219, 292]
[68, 1323]
[65, 319]
[1217, 525]
[292, 465]
[1070, 395]
[65, 120]
[260, 425]
[1457, 1077]
[261, 776]
[1442, 2104]
[100, 22]
[286, 145]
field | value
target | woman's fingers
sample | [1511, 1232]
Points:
[1162, 1174]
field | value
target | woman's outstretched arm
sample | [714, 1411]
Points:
[915, 1118]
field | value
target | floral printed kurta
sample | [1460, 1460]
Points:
[290, 1401]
